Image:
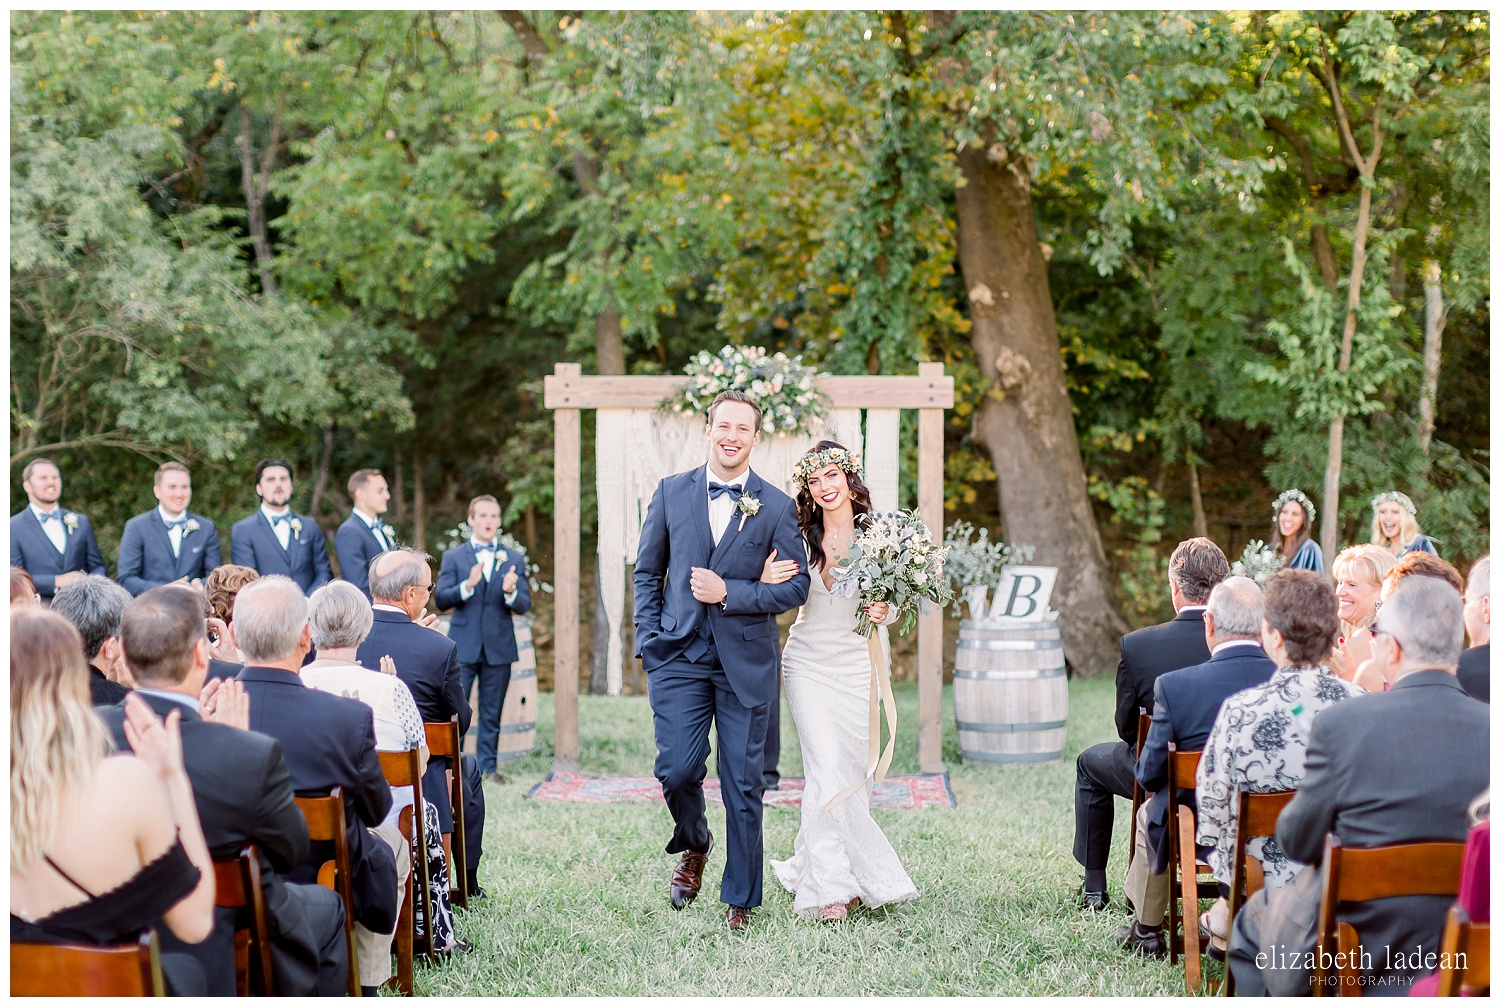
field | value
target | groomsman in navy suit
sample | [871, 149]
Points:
[484, 583]
[364, 536]
[276, 539]
[54, 545]
[168, 544]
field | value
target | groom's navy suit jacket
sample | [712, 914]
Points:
[33, 551]
[253, 543]
[675, 538]
[146, 559]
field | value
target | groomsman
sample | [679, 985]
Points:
[168, 544]
[364, 536]
[276, 539]
[484, 583]
[54, 545]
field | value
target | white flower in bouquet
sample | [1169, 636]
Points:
[1259, 562]
[893, 560]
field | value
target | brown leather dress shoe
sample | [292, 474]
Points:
[738, 918]
[688, 877]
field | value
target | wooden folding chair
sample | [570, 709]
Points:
[1254, 819]
[402, 769]
[74, 970]
[325, 823]
[1464, 966]
[1137, 795]
[237, 886]
[1182, 874]
[444, 739]
[1363, 874]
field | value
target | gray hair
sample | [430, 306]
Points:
[340, 615]
[94, 605]
[1479, 578]
[269, 616]
[1425, 615]
[399, 570]
[1237, 605]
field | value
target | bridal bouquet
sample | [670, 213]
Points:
[1259, 562]
[893, 559]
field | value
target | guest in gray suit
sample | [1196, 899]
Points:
[1394, 767]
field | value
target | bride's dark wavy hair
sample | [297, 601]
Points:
[810, 514]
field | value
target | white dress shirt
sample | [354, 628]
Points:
[175, 534]
[722, 510]
[284, 529]
[487, 564]
[379, 533]
[54, 529]
[1235, 643]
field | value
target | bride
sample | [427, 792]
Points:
[840, 857]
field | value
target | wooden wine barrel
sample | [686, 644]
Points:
[1010, 691]
[518, 715]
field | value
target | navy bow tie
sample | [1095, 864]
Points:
[716, 490]
[378, 525]
[179, 523]
[483, 549]
[56, 515]
[281, 519]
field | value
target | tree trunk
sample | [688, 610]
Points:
[419, 502]
[1027, 421]
[531, 529]
[321, 485]
[398, 486]
[1432, 352]
[1200, 519]
[255, 193]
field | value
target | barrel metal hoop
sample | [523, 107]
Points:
[507, 756]
[1018, 757]
[1009, 676]
[518, 728]
[516, 673]
[1048, 725]
[970, 644]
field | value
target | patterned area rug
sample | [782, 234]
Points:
[895, 792]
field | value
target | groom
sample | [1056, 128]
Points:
[706, 636]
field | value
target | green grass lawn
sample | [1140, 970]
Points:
[577, 893]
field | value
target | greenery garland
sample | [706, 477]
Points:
[783, 387]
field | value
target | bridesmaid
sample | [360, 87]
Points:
[1395, 525]
[1291, 531]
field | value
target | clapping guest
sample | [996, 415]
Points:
[1357, 574]
[364, 535]
[53, 544]
[22, 589]
[1394, 525]
[1474, 663]
[168, 544]
[1397, 767]
[1291, 531]
[276, 539]
[220, 589]
[95, 606]
[100, 848]
[1369, 675]
[340, 618]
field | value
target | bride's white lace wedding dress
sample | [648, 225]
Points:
[840, 852]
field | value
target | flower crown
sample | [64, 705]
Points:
[1302, 501]
[1395, 497]
[816, 461]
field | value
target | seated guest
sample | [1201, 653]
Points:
[328, 742]
[1473, 881]
[1394, 767]
[1107, 771]
[1413, 564]
[427, 661]
[1474, 663]
[95, 605]
[220, 588]
[101, 847]
[1357, 575]
[168, 544]
[340, 618]
[22, 588]
[242, 792]
[1186, 703]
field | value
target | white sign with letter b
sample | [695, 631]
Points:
[1023, 593]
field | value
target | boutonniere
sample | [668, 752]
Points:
[749, 507]
[296, 526]
[70, 521]
[190, 527]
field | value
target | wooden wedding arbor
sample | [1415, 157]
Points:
[568, 391]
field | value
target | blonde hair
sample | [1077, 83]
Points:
[1409, 531]
[1366, 562]
[56, 739]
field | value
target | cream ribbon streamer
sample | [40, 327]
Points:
[880, 695]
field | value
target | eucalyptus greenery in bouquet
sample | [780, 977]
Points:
[1259, 562]
[457, 536]
[893, 559]
[783, 387]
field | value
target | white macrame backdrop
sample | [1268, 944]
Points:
[636, 448]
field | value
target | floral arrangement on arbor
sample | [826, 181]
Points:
[1259, 562]
[975, 563]
[893, 559]
[783, 387]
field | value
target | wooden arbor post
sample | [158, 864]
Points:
[568, 390]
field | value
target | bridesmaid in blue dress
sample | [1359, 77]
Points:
[1291, 531]
[1395, 525]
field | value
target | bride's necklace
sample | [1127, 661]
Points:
[836, 535]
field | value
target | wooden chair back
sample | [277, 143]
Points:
[1363, 874]
[237, 885]
[403, 769]
[1255, 818]
[1464, 965]
[326, 823]
[1182, 865]
[73, 970]
[444, 739]
[1137, 795]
